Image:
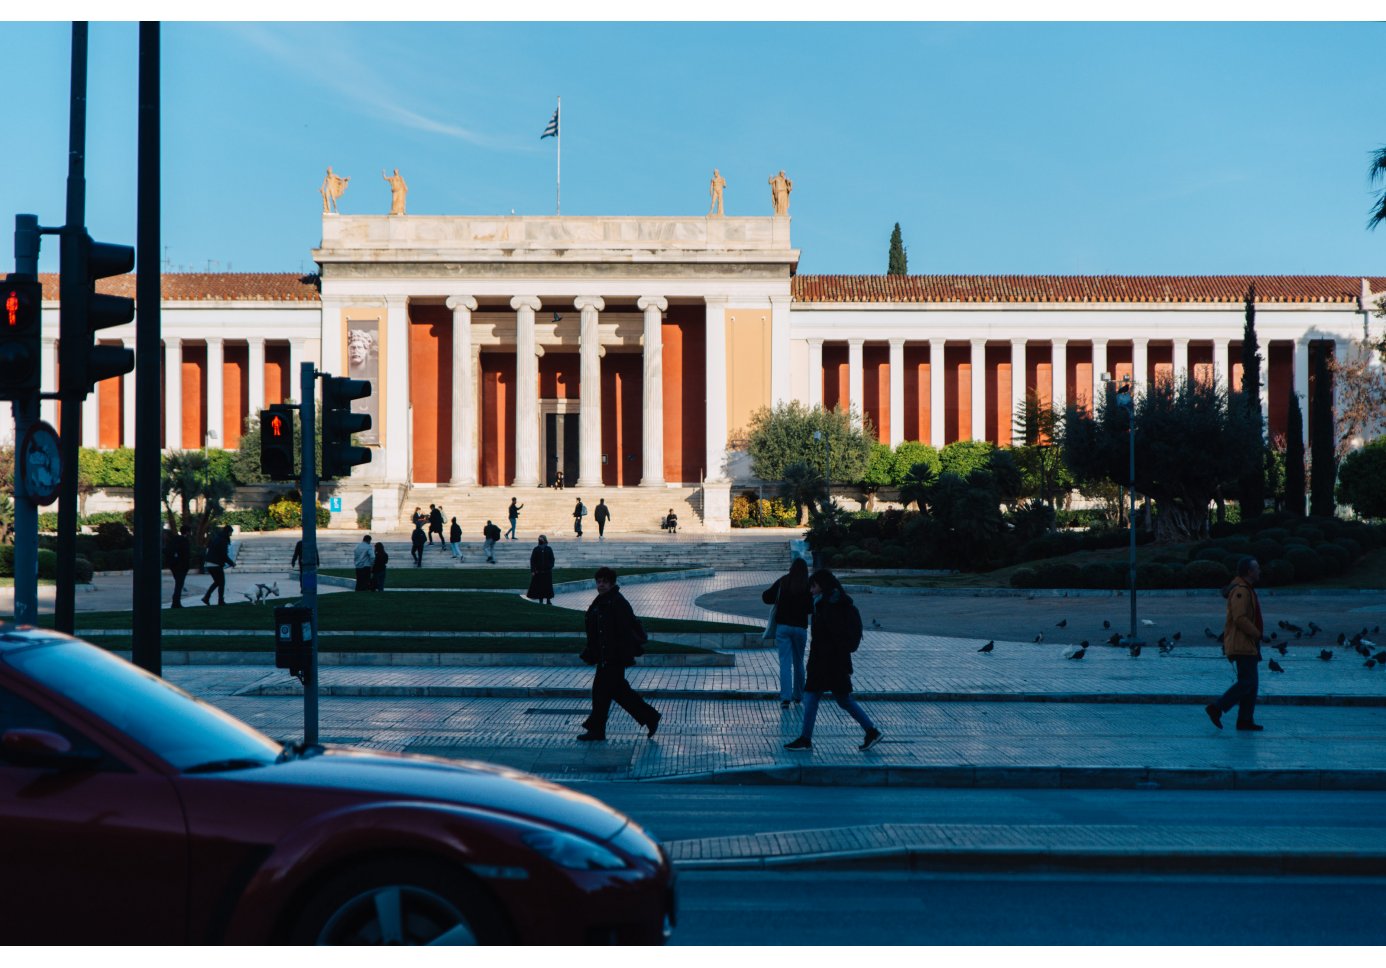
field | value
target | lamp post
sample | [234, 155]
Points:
[1126, 399]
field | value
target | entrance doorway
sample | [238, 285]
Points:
[561, 447]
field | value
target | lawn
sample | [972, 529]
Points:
[516, 578]
[460, 644]
[397, 612]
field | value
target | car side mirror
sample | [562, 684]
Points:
[41, 748]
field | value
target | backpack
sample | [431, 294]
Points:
[638, 636]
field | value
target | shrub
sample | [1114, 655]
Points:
[1210, 552]
[1101, 575]
[121, 560]
[1062, 574]
[287, 514]
[1155, 576]
[82, 570]
[6, 560]
[1312, 535]
[1277, 571]
[47, 563]
[1334, 558]
[1025, 578]
[1308, 565]
[1350, 545]
[1264, 550]
[113, 535]
[1031, 520]
[1204, 574]
[250, 519]
[1275, 534]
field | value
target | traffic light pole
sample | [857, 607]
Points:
[26, 411]
[73, 316]
[308, 487]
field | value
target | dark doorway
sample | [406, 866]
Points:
[561, 447]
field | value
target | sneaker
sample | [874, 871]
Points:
[802, 743]
[784, 703]
[654, 725]
[1215, 714]
[1250, 727]
[873, 736]
[591, 737]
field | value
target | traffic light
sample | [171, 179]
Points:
[86, 364]
[339, 423]
[21, 321]
[277, 443]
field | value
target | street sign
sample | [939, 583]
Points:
[334, 504]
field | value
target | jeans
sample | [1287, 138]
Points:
[490, 549]
[378, 580]
[456, 548]
[218, 575]
[511, 533]
[1242, 693]
[790, 640]
[845, 701]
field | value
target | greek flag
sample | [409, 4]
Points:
[552, 130]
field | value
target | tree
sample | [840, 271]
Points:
[914, 488]
[909, 453]
[1362, 480]
[1359, 382]
[1322, 445]
[803, 485]
[189, 480]
[962, 457]
[1253, 478]
[245, 465]
[1182, 453]
[1035, 445]
[1294, 459]
[898, 264]
[1376, 173]
[784, 435]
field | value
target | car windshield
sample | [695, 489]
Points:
[187, 733]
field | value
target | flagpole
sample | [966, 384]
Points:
[558, 201]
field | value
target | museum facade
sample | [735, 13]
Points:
[628, 352]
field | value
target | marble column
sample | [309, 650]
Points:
[1058, 387]
[1099, 367]
[295, 368]
[652, 392]
[332, 341]
[173, 393]
[979, 389]
[48, 375]
[937, 363]
[1301, 386]
[91, 419]
[779, 349]
[127, 404]
[1181, 360]
[394, 396]
[1018, 388]
[715, 345]
[897, 392]
[815, 373]
[526, 392]
[1265, 389]
[255, 378]
[463, 452]
[1222, 368]
[1140, 367]
[590, 393]
[855, 394]
[216, 392]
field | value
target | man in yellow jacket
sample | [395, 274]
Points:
[1241, 643]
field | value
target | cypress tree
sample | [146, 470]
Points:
[1253, 482]
[1294, 459]
[898, 264]
[1323, 457]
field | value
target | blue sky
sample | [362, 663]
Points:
[1000, 148]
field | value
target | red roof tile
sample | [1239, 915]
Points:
[1080, 289]
[211, 286]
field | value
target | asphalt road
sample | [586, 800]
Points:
[818, 908]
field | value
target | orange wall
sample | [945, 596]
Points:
[235, 404]
[875, 384]
[748, 365]
[277, 373]
[999, 395]
[497, 418]
[110, 404]
[1160, 359]
[1201, 362]
[194, 395]
[917, 397]
[559, 376]
[430, 392]
[1282, 378]
[835, 376]
[957, 393]
[1080, 375]
[684, 363]
[621, 418]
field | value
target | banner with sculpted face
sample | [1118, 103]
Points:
[363, 363]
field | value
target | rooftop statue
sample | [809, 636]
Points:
[332, 188]
[780, 187]
[715, 189]
[398, 191]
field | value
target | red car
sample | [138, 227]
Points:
[134, 813]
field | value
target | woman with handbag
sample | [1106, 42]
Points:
[788, 627]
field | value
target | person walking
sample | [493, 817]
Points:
[435, 524]
[836, 635]
[217, 560]
[178, 557]
[615, 638]
[601, 515]
[1241, 643]
[513, 512]
[793, 605]
[416, 517]
[455, 539]
[416, 543]
[579, 512]
[378, 567]
[363, 559]
[492, 534]
[297, 560]
[541, 573]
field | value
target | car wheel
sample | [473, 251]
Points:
[400, 903]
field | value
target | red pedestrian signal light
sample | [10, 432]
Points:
[21, 306]
[277, 443]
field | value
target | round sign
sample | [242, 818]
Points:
[41, 463]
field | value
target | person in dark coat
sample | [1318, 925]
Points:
[215, 563]
[435, 523]
[836, 635]
[579, 512]
[491, 533]
[178, 557]
[601, 515]
[378, 567]
[455, 539]
[362, 558]
[793, 605]
[614, 639]
[417, 540]
[541, 572]
[297, 560]
[513, 513]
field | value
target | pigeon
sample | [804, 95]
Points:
[1299, 635]
[1075, 653]
[1106, 624]
[1166, 649]
[1162, 642]
[1325, 654]
[1083, 644]
[1369, 643]
[1370, 663]
[1040, 637]
[988, 647]
[1282, 648]
[875, 624]
[1380, 656]
[1265, 638]
[1115, 639]
[1208, 632]
[1147, 622]
[1176, 636]
[1315, 628]
[1376, 629]
[1274, 635]
[1342, 637]
[1362, 650]
[1276, 666]
[1061, 623]
[1135, 650]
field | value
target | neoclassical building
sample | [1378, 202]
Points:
[627, 352]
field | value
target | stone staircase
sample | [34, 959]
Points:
[550, 512]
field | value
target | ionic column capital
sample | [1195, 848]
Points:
[456, 303]
[1099, 341]
[897, 342]
[716, 300]
[531, 303]
[1180, 340]
[815, 341]
[589, 304]
[856, 342]
[1058, 341]
[646, 303]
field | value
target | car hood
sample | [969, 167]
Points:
[377, 775]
